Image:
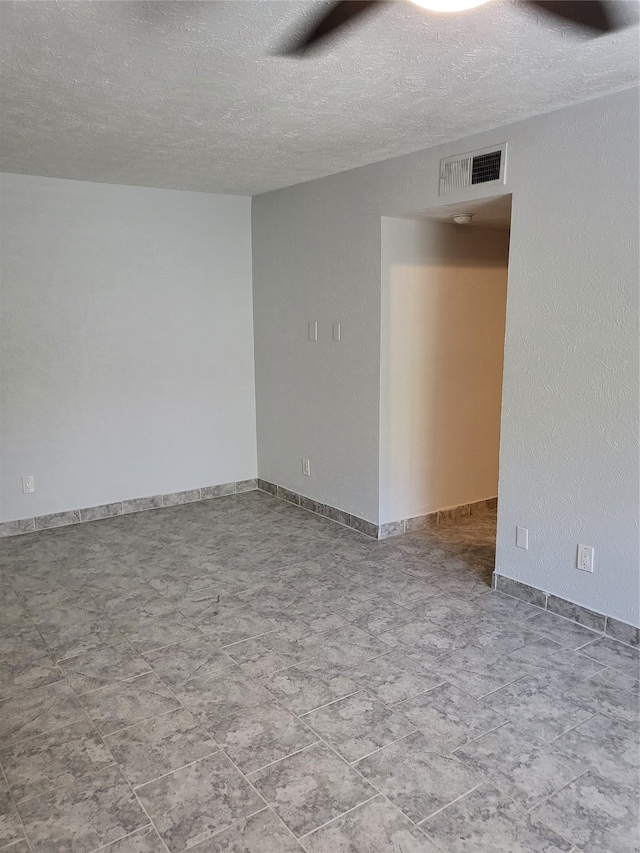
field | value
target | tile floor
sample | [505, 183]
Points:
[240, 676]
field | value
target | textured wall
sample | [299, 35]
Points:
[568, 455]
[316, 257]
[126, 361]
[444, 292]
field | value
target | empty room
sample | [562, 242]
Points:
[319, 402]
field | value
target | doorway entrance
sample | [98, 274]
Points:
[444, 294]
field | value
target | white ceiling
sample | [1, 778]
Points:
[189, 95]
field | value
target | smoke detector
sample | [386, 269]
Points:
[462, 218]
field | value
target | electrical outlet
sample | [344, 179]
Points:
[584, 560]
[313, 330]
[306, 467]
[336, 334]
[28, 484]
[522, 538]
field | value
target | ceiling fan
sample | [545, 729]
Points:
[591, 15]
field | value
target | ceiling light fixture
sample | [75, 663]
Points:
[449, 5]
[462, 218]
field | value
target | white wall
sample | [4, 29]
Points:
[444, 291]
[126, 361]
[568, 455]
[317, 258]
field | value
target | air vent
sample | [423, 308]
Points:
[478, 167]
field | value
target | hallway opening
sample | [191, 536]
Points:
[444, 294]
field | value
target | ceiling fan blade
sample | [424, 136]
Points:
[588, 14]
[337, 17]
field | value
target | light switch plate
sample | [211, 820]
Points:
[522, 538]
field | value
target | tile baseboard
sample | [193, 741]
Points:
[435, 519]
[379, 531]
[110, 510]
[368, 528]
[614, 628]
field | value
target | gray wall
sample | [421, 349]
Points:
[126, 360]
[568, 454]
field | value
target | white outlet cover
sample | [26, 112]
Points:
[585, 558]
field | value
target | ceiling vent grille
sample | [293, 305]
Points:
[487, 166]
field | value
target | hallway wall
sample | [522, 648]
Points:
[444, 290]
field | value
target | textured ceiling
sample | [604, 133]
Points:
[189, 94]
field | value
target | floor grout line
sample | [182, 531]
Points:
[129, 835]
[478, 737]
[391, 743]
[573, 728]
[452, 803]
[139, 801]
[17, 811]
[215, 751]
[332, 702]
[283, 757]
[275, 671]
[338, 817]
[48, 731]
[374, 751]
[246, 639]
[289, 831]
[248, 781]
[544, 799]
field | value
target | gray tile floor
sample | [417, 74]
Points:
[239, 676]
